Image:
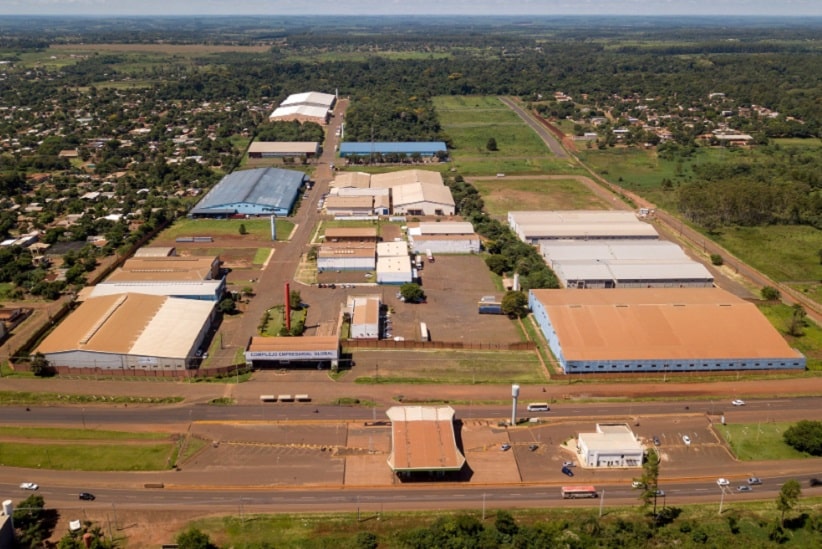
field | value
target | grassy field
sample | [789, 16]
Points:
[83, 457]
[471, 121]
[809, 344]
[502, 195]
[759, 441]
[50, 433]
[257, 229]
[786, 253]
[460, 368]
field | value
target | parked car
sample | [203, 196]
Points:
[743, 488]
[29, 486]
[660, 493]
[656, 441]
[568, 464]
[815, 482]
[567, 471]
[722, 482]
[754, 480]
[637, 484]
[533, 447]
[505, 447]
[87, 496]
[686, 439]
[738, 402]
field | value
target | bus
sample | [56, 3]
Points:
[574, 492]
[538, 407]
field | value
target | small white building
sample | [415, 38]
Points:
[612, 445]
[365, 317]
[392, 249]
[394, 269]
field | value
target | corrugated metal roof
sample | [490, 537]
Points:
[193, 288]
[310, 98]
[284, 147]
[423, 439]
[446, 227]
[308, 111]
[416, 193]
[304, 343]
[660, 323]
[264, 186]
[405, 177]
[571, 250]
[351, 232]
[352, 179]
[392, 249]
[122, 322]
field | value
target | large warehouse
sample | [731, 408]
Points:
[263, 191]
[422, 148]
[305, 107]
[283, 149]
[663, 330]
[423, 440]
[623, 264]
[130, 331]
[533, 226]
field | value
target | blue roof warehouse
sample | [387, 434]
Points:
[423, 148]
[263, 191]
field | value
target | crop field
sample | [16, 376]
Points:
[502, 195]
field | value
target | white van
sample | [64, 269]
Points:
[538, 407]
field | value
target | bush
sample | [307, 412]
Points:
[717, 260]
[805, 436]
[769, 293]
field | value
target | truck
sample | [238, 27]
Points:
[430, 256]
[418, 262]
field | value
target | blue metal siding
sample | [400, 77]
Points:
[425, 148]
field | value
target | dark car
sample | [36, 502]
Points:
[816, 482]
[87, 496]
[567, 471]
[656, 441]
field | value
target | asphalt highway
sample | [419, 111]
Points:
[93, 417]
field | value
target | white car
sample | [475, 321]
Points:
[686, 439]
[738, 402]
[29, 486]
[722, 482]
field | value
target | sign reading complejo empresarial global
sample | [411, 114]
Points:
[328, 354]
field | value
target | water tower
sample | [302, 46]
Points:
[514, 396]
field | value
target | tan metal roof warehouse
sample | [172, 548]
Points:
[423, 439]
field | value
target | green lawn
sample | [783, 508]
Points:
[809, 344]
[255, 228]
[87, 457]
[758, 441]
[41, 433]
[23, 397]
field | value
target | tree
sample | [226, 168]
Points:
[491, 145]
[295, 300]
[194, 539]
[515, 304]
[717, 260]
[227, 306]
[769, 293]
[788, 497]
[650, 478]
[412, 292]
[797, 322]
[242, 229]
[40, 366]
[30, 520]
[805, 436]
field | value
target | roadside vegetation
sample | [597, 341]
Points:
[759, 441]
[740, 525]
[24, 398]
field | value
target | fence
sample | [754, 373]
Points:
[457, 345]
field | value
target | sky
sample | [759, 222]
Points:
[415, 7]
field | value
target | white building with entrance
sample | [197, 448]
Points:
[612, 445]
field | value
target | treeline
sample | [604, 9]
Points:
[786, 189]
[507, 253]
[290, 131]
